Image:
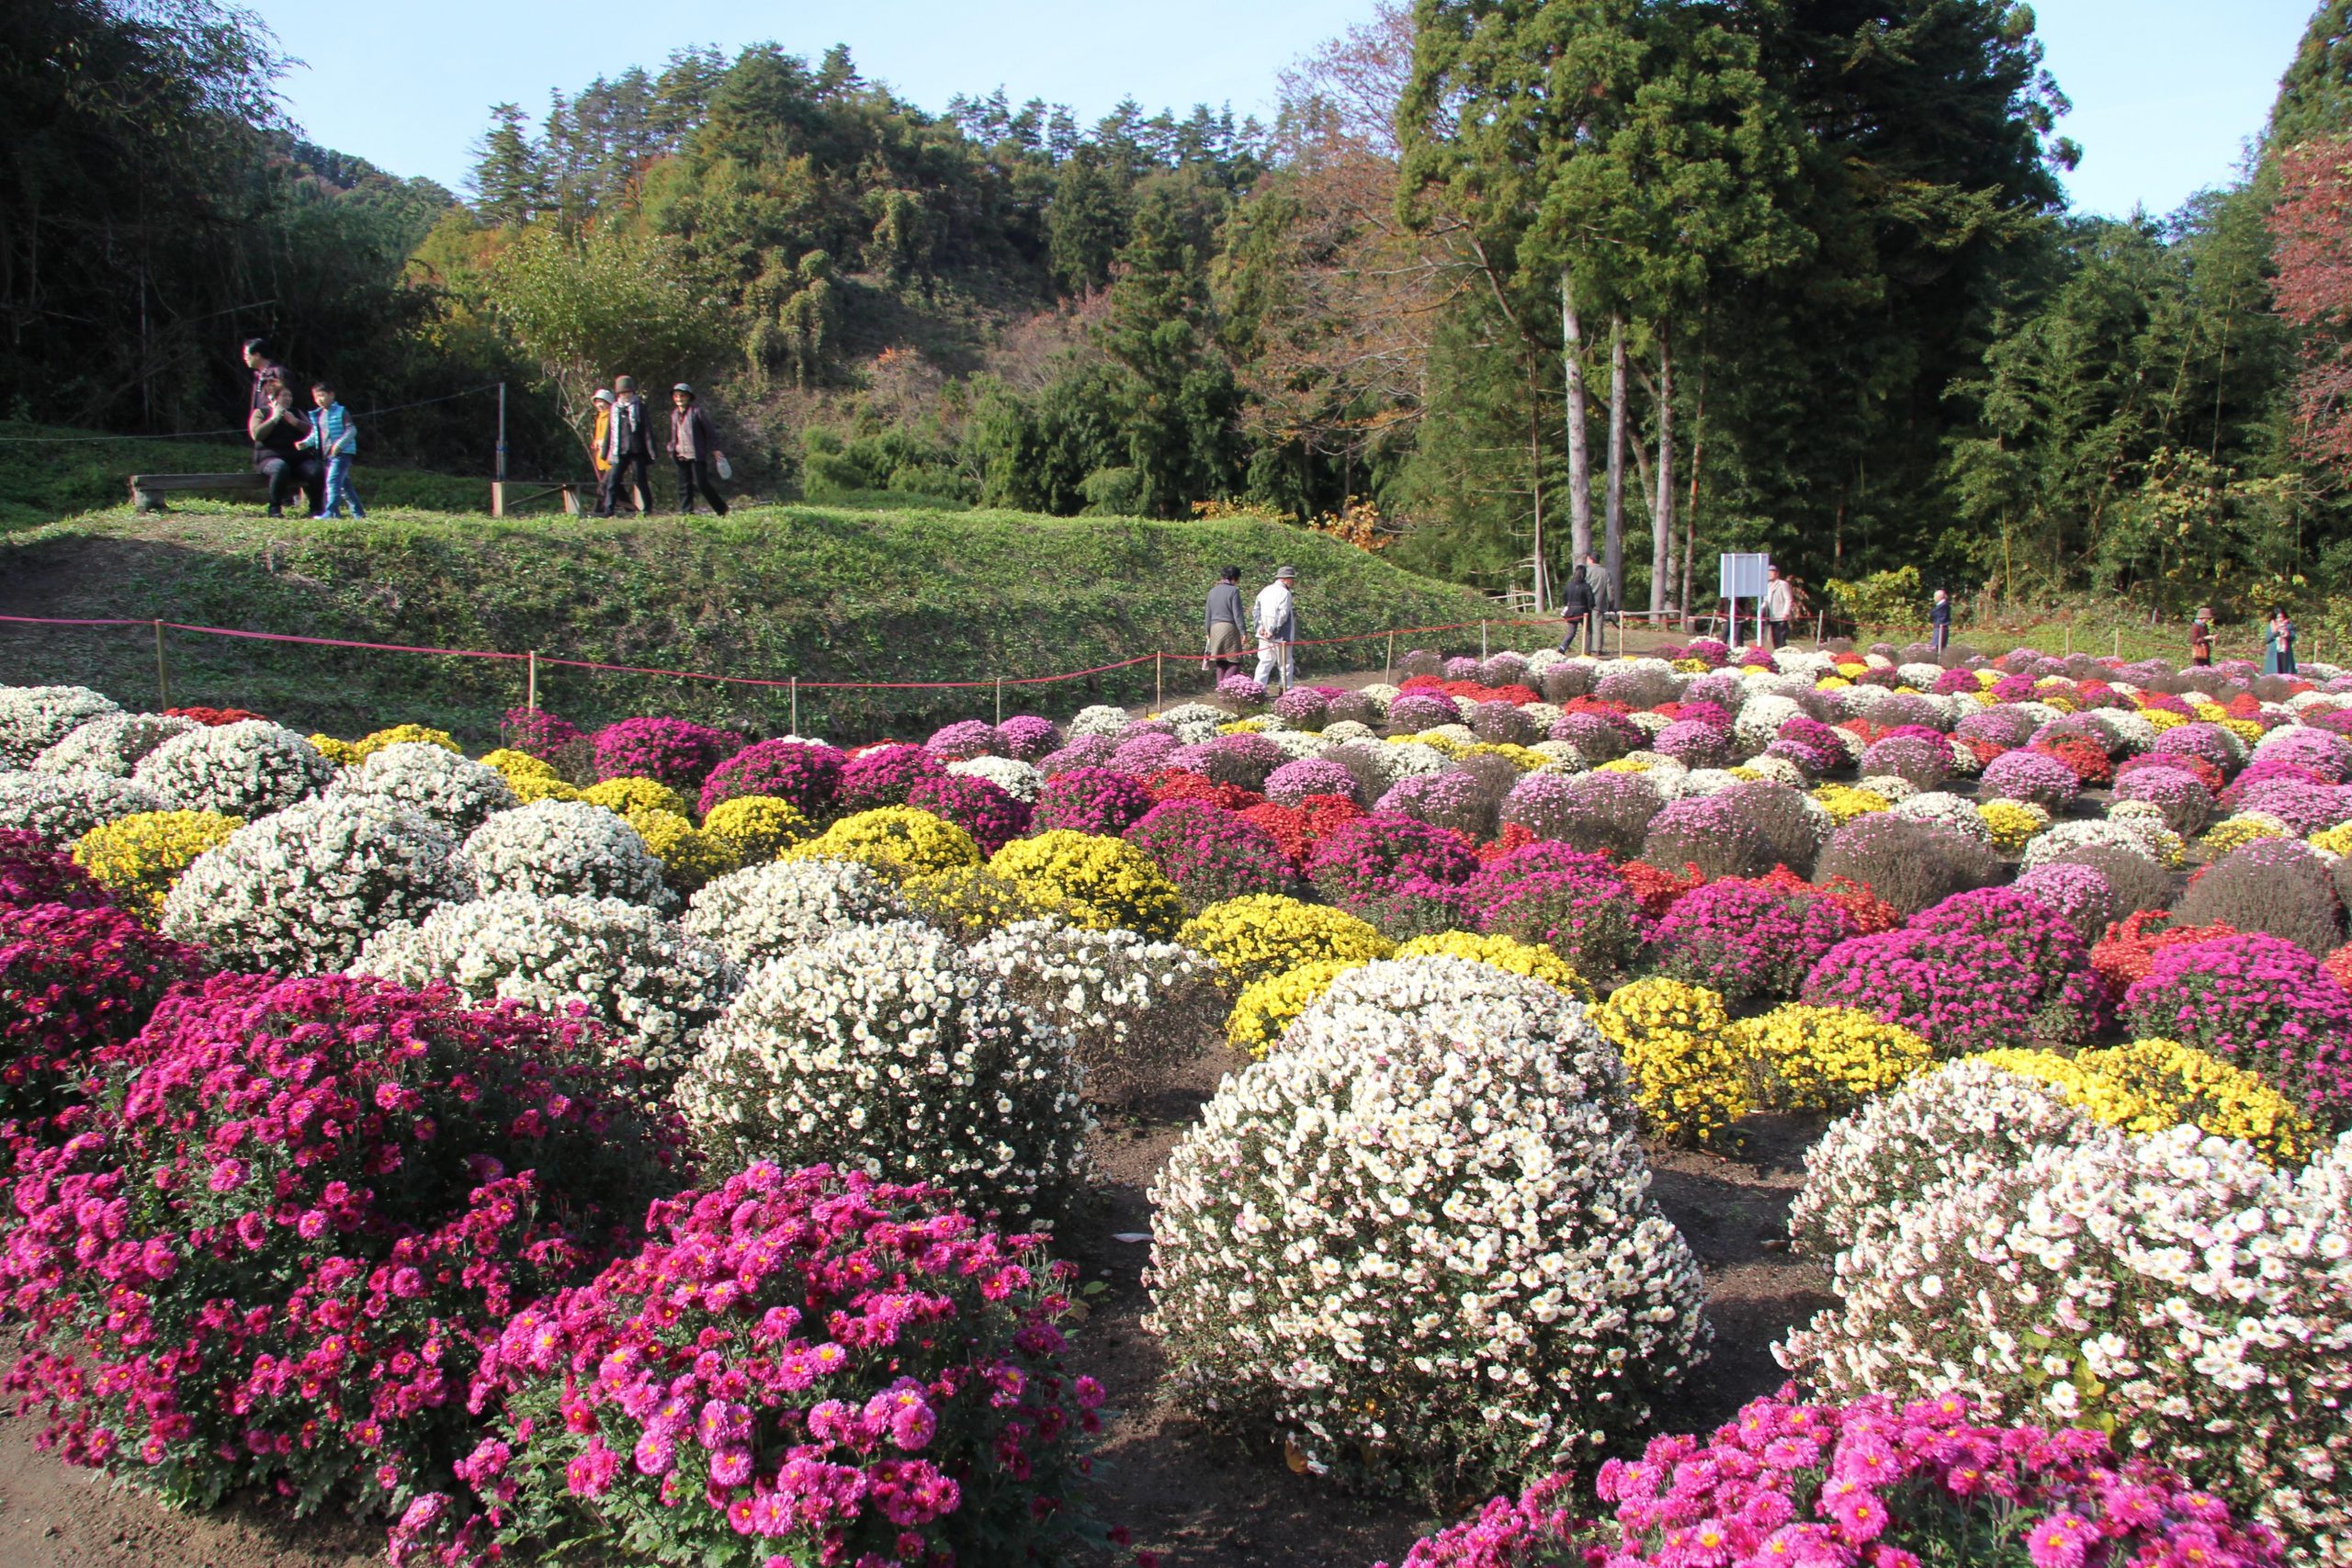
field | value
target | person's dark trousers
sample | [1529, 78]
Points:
[695, 473]
[1780, 633]
[619, 485]
[287, 475]
[1596, 635]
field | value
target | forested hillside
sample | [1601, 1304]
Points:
[1658, 276]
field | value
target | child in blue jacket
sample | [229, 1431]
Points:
[336, 437]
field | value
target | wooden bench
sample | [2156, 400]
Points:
[147, 490]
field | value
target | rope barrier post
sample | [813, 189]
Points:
[999, 701]
[2118, 642]
[1159, 684]
[162, 679]
[2070, 639]
[1388, 671]
[795, 705]
[531, 682]
[1482, 641]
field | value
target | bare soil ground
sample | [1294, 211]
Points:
[1196, 1499]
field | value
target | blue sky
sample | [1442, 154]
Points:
[2166, 92]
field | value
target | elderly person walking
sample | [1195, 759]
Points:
[1227, 631]
[627, 451]
[1275, 614]
[695, 451]
[1604, 604]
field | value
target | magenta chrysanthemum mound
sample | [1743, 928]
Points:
[73, 983]
[1747, 939]
[982, 809]
[881, 775]
[806, 773]
[670, 751]
[1091, 800]
[2261, 1002]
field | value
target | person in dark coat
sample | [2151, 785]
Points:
[695, 449]
[628, 451]
[1576, 603]
[278, 429]
[1227, 627]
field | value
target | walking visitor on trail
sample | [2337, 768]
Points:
[696, 451]
[1276, 616]
[335, 439]
[2200, 637]
[1778, 605]
[1604, 603]
[627, 451]
[1225, 632]
[2279, 645]
[278, 429]
[602, 400]
[1575, 605]
[1939, 621]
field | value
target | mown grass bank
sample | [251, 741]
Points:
[820, 593]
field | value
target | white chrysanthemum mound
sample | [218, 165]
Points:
[112, 744]
[1953, 813]
[1134, 1010]
[249, 769]
[60, 807]
[1418, 1250]
[432, 781]
[1018, 779]
[1964, 1121]
[2144, 837]
[34, 718]
[1101, 719]
[654, 984]
[2175, 1289]
[885, 1049]
[563, 846]
[303, 890]
[765, 911]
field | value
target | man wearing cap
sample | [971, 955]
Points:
[693, 448]
[1275, 614]
[627, 450]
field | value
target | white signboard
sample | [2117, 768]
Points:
[1743, 576]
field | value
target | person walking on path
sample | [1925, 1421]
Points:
[1228, 633]
[602, 400]
[1940, 622]
[696, 451]
[1604, 604]
[1275, 614]
[278, 429]
[335, 439]
[2200, 637]
[1778, 607]
[2279, 645]
[1575, 605]
[627, 451]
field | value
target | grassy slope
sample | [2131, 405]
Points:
[817, 593]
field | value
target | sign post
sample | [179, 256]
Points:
[1742, 577]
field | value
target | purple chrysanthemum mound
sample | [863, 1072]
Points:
[1026, 737]
[1210, 853]
[1416, 711]
[882, 775]
[993, 817]
[1747, 939]
[1294, 781]
[2260, 1001]
[1694, 743]
[669, 751]
[2079, 894]
[1091, 800]
[2031, 777]
[537, 731]
[808, 773]
[962, 740]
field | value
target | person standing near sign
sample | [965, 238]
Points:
[1940, 622]
[1778, 607]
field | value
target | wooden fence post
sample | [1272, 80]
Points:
[999, 700]
[1388, 671]
[1482, 641]
[795, 705]
[531, 682]
[162, 679]
[1158, 682]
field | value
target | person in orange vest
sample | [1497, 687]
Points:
[604, 402]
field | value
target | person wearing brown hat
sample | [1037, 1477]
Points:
[1275, 614]
[627, 451]
[695, 449]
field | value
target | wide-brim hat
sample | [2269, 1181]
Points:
[625, 383]
[600, 396]
[682, 387]
[1285, 571]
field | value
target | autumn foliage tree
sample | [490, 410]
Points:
[2312, 225]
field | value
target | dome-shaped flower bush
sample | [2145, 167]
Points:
[1925, 764]
[2187, 804]
[1695, 744]
[439, 786]
[763, 911]
[673, 752]
[1313, 1280]
[2260, 1002]
[2150, 1086]
[2031, 777]
[1942, 1483]
[552, 847]
[1210, 853]
[1143, 755]
[965, 738]
[652, 985]
[885, 1048]
[1416, 711]
[1711, 832]
[1748, 938]
[1294, 781]
[1507, 953]
[2086, 1285]
[1830, 1059]
[112, 744]
[1961, 992]
[1091, 800]
[248, 769]
[301, 891]
[538, 732]
[632, 797]
[1576, 905]
[756, 827]
[2073, 1005]
[1605, 813]
[1020, 780]
[58, 809]
[1135, 1010]
[1910, 865]
[1371, 856]
[1024, 737]
[1095, 882]
[34, 718]
[73, 983]
[137, 858]
[1688, 1083]
[881, 775]
[2276, 886]
[1262, 935]
[294, 1215]
[2080, 895]
[1961, 1122]
[2208, 743]
[985, 810]
[806, 773]
[898, 840]
[777, 1436]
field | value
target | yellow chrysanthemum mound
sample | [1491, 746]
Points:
[2335, 840]
[974, 900]
[625, 796]
[896, 840]
[1260, 935]
[1814, 1058]
[2163, 718]
[2245, 729]
[2012, 823]
[689, 856]
[512, 764]
[1689, 1084]
[341, 753]
[1267, 1007]
[1525, 759]
[528, 787]
[757, 826]
[1100, 883]
[2151, 1084]
[1505, 953]
[2235, 832]
[1844, 802]
[137, 858]
[404, 735]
